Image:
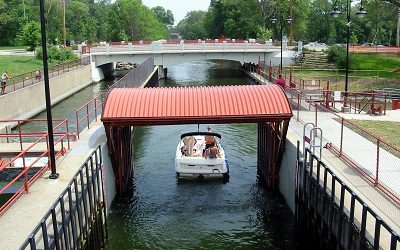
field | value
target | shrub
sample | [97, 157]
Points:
[56, 55]
[337, 55]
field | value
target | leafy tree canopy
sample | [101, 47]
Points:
[30, 36]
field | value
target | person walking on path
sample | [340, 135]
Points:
[281, 81]
[4, 78]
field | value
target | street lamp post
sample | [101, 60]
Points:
[335, 13]
[54, 174]
[273, 20]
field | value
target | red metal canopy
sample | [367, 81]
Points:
[191, 105]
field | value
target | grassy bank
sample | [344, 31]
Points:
[19, 64]
[374, 71]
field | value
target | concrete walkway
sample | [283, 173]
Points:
[363, 152]
[21, 218]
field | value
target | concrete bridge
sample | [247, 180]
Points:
[166, 54]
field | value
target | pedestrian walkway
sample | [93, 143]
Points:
[23, 216]
[361, 151]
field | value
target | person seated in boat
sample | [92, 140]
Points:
[183, 150]
[212, 152]
[209, 139]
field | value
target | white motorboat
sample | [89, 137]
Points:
[191, 159]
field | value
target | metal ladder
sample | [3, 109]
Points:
[314, 139]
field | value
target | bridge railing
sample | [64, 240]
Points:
[183, 45]
[26, 155]
[339, 210]
[374, 160]
[29, 78]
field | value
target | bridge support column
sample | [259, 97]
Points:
[162, 72]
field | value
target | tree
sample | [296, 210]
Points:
[30, 36]
[165, 17]
[192, 26]
[266, 10]
[129, 18]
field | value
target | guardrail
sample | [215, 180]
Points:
[339, 210]
[29, 78]
[29, 158]
[89, 112]
[77, 220]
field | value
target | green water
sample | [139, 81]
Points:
[159, 212]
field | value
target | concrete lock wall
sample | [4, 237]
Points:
[287, 172]
[110, 190]
[29, 101]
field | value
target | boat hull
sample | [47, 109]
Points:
[195, 165]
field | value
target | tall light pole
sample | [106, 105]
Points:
[335, 13]
[273, 20]
[54, 174]
[64, 31]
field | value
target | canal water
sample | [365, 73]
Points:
[160, 212]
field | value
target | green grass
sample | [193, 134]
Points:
[12, 48]
[374, 71]
[19, 64]
[383, 62]
[382, 129]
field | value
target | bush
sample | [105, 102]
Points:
[337, 55]
[56, 55]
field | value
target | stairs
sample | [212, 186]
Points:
[315, 60]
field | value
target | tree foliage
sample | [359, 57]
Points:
[122, 20]
[143, 25]
[30, 36]
[164, 16]
[192, 26]
[338, 55]
[56, 55]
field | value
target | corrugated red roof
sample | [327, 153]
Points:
[191, 105]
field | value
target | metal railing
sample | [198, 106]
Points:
[373, 102]
[137, 76]
[325, 193]
[29, 78]
[183, 45]
[371, 156]
[25, 156]
[89, 112]
[77, 220]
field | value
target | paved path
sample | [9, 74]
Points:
[17, 52]
[22, 217]
[363, 152]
